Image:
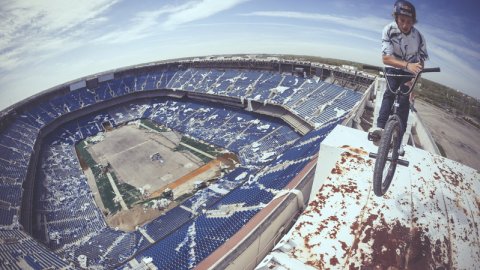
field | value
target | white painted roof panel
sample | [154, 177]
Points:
[428, 219]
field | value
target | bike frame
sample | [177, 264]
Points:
[390, 142]
[398, 92]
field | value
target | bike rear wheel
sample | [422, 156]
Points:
[387, 156]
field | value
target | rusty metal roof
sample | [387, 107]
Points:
[428, 219]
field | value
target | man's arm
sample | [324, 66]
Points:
[398, 63]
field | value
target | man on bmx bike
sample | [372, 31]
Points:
[403, 53]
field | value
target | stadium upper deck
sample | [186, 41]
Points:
[37, 165]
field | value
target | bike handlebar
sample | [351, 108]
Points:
[414, 76]
[372, 67]
[435, 69]
[425, 70]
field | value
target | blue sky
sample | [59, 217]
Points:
[46, 43]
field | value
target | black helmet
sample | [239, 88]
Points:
[403, 7]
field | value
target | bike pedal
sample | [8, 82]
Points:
[373, 137]
[403, 162]
[369, 137]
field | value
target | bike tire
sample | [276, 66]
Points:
[389, 144]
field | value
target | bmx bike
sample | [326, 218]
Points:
[387, 156]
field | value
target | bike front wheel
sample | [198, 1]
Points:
[387, 156]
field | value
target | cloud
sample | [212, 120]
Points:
[452, 41]
[456, 72]
[169, 17]
[197, 10]
[35, 30]
[143, 24]
[457, 55]
[53, 15]
[354, 34]
[368, 23]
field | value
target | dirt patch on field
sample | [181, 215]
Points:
[139, 215]
[136, 216]
[211, 170]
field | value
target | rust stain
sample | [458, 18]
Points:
[334, 261]
[334, 231]
[417, 168]
[345, 188]
[395, 246]
[357, 228]
[336, 170]
[477, 201]
[320, 228]
[344, 245]
[354, 157]
[301, 224]
[333, 218]
[351, 158]
[316, 205]
[459, 205]
[293, 252]
[319, 264]
[353, 267]
[359, 151]
[452, 177]
[306, 241]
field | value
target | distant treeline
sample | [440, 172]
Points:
[449, 99]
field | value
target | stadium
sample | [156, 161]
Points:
[180, 164]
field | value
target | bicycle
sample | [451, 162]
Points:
[387, 156]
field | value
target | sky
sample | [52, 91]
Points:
[47, 43]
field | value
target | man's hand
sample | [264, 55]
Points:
[409, 83]
[415, 68]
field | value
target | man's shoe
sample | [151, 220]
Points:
[375, 135]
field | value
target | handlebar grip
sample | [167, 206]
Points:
[436, 69]
[372, 67]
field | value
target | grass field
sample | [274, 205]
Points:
[200, 146]
[104, 188]
[130, 194]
